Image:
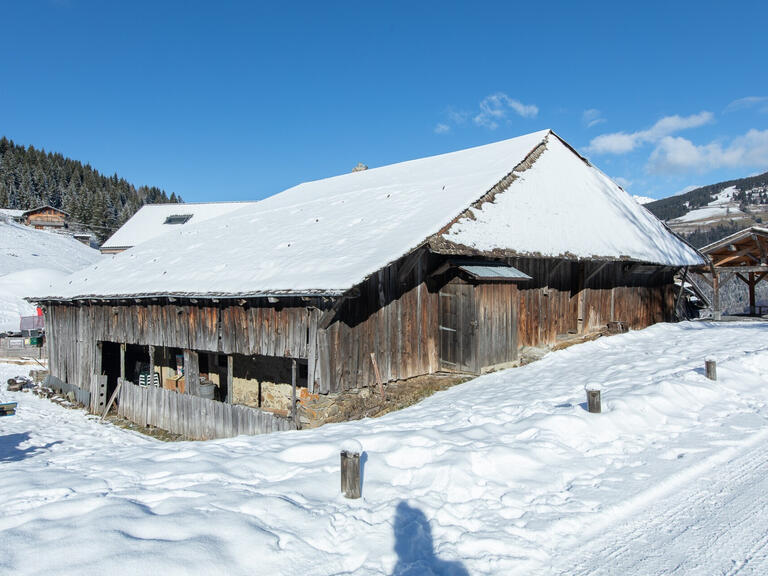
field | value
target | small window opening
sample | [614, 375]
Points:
[178, 219]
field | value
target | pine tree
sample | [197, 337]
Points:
[31, 177]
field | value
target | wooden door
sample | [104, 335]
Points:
[457, 325]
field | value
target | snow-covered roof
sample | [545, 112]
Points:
[150, 221]
[329, 235]
[11, 212]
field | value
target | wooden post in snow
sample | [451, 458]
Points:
[710, 365]
[122, 361]
[593, 399]
[751, 283]
[350, 474]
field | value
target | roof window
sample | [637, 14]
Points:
[178, 219]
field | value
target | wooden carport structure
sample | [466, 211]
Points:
[744, 254]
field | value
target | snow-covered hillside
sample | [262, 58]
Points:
[31, 259]
[722, 206]
[643, 199]
[506, 474]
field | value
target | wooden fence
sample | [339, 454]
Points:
[81, 395]
[192, 416]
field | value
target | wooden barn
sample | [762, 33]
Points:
[448, 263]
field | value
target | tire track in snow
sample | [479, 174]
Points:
[717, 524]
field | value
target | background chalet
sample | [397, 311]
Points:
[448, 263]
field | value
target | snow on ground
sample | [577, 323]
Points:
[710, 212]
[31, 259]
[506, 474]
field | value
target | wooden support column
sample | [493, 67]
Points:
[716, 315]
[751, 284]
[582, 296]
[230, 378]
[294, 412]
[191, 372]
[152, 366]
[122, 361]
[97, 359]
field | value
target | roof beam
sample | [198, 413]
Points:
[735, 256]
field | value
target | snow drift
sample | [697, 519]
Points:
[506, 474]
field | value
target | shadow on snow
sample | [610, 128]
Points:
[415, 548]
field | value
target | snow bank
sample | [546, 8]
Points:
[329, 235]
[500, 475]
[32, 260]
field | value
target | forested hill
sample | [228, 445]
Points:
[676, 206]
[30, 178]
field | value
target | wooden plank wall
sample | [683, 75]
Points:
[192, 416]
[74, 330]
[395, 317]
[549, 302]
[83, 396]
[496, 308]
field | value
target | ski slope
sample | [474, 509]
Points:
[505, 474]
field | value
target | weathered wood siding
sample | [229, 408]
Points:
[75, 330]
[394, 317]
[192, 416]
[549, 304]
[496, 334]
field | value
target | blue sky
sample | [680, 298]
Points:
[230, 100]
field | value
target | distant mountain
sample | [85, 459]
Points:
[101, 204]
[711, 212]
[643, 199]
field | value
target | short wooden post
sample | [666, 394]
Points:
[350, 474]
[593, 399]
[711, 367]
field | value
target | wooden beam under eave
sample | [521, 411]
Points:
[736, 256]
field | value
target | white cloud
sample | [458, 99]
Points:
[760, 102]
[677, 154]
[441, 128]
[496, 107]
[592, 117]
[457, 116]
[622, 142]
